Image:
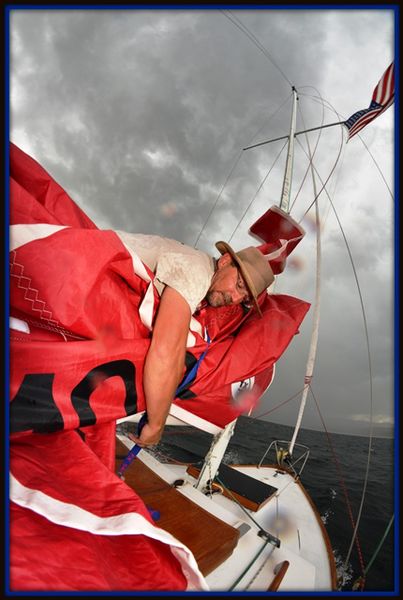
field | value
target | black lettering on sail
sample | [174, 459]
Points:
[34, 407]
[81, 394]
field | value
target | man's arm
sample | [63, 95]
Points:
[164, 364]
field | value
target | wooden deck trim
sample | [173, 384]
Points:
[211, 540]
[248, 503]
[195, 472]
[279, 576]
[329, 549]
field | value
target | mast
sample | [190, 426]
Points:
[316, 312]
[285, 194]
[284, 205]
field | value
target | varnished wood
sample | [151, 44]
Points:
[245, 491]
[278, 578]
[211, 540]
[330, 555]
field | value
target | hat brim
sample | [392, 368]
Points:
[223, 248]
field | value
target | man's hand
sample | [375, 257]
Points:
[150, 436]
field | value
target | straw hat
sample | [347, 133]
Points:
[254, 269]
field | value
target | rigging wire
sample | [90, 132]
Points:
[217, 199]
[323, 184]
[238, 23]
[254, 559]
[313, 344]
[344, 488]
[258, 190]
[238, 503]
[342, 119]
[262, 532]
[370, 375]
[329, 106]
[358, 583]
[324, 103]
[234, 167]
[279, 405]
[253, 38]
[377, 166]
[370, 378]
[313, 154]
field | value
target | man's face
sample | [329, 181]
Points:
[227, 286]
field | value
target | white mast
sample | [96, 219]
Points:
[284, 205]
[285, 194]
[316, 311]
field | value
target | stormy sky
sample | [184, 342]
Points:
[141, 115]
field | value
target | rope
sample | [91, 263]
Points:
[359, 582]
[178, 462]
[131, 455]
[366, 333]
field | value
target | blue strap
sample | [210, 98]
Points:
[193, 371]
[188, 378]
[133, 451]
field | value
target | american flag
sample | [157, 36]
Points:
[382, 98]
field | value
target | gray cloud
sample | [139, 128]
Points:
[141, 115]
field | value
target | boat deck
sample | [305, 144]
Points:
[210, 539]
[225, 541]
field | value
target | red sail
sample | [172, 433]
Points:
[81, 308]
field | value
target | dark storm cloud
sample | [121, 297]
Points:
[142, 114]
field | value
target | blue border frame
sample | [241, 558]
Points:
[6, 299]
[396, 298]
[396, 10]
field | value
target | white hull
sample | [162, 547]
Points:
[289, 515]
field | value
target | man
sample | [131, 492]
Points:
[185, 278]
[81, 307]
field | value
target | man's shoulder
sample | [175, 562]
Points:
[165, 243]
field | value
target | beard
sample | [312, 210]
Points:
[217, 299]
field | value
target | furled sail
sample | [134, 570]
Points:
[81, 310]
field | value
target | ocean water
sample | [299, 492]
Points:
[329, 475]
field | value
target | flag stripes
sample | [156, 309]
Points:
[382, 97]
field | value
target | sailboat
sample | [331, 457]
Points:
[250, 527]
[276, 539]
[229, 527]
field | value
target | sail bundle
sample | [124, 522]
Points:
[77, 346]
